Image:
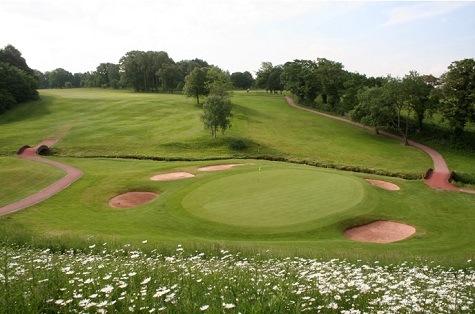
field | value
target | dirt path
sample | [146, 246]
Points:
[31, 153]
[438, 179]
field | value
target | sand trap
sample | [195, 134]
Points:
[171, 176]
[384, 185]
[380, 232]
[219, 167]
[132, 199]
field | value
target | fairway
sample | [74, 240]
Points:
[273, 198]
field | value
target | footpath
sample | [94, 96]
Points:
[438, 178]
[31, 153]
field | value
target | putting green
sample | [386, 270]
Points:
[273, 198]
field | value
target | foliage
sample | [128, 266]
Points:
[373, 109]
[141, 69]
[207, 81]
[58, 78]
[18, 82]
[238, 145]
[217, 113]
[268, 77]
[458, 94]
[195, 84]
[102, 279]
[242, 80]
[218, 82]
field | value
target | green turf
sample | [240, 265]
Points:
[273, 198]
[95, 122]
[291, 214]
[20, 178]
[80, 215]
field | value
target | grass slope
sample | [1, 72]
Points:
[21, 178]
[122, 123]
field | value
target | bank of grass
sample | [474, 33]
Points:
[21, 178]
[80, 215]
[94, 122]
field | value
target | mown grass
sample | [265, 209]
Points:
[121, 123]
[21, 178]
[125, 124]
[81, 214]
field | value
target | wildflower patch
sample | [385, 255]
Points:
[129, 280]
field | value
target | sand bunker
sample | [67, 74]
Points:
[384, 184]
[132, 199]
[171, 176]
[219, 167]
[380, 232]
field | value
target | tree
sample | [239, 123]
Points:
[352, 84]
[458, 94]
[330, 76]
[417, 91]
[262, 75]
[170, 76]
[107, 74]
[58, 78]
[195, 84]
[218, 82]
[217, 114]
[299, 78]
[12, 56]
[373, 108]
[18, 83]
[242, 80]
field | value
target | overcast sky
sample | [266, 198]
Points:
[375, 38]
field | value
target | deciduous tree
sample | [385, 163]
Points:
[458, 94]
[217, 114]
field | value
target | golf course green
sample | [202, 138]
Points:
[273, 198]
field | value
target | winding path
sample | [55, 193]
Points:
[438, 178]
[31, 153]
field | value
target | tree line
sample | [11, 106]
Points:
[18, 83]
[144, 71]
[395, 103]
[399, 104]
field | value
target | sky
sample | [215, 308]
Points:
[375, 38]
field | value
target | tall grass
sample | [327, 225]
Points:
[127, 280]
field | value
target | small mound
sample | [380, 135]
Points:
[384, 185]
[171, 176]
[380, 232]
[132, 199]
[219, 167]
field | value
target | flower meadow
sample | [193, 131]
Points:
[128, 280]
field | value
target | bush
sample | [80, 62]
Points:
[238, 145]
[467, 178]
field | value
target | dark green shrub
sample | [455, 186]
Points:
[238, 145]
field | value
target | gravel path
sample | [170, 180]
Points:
[438, 179]
[31, 153]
